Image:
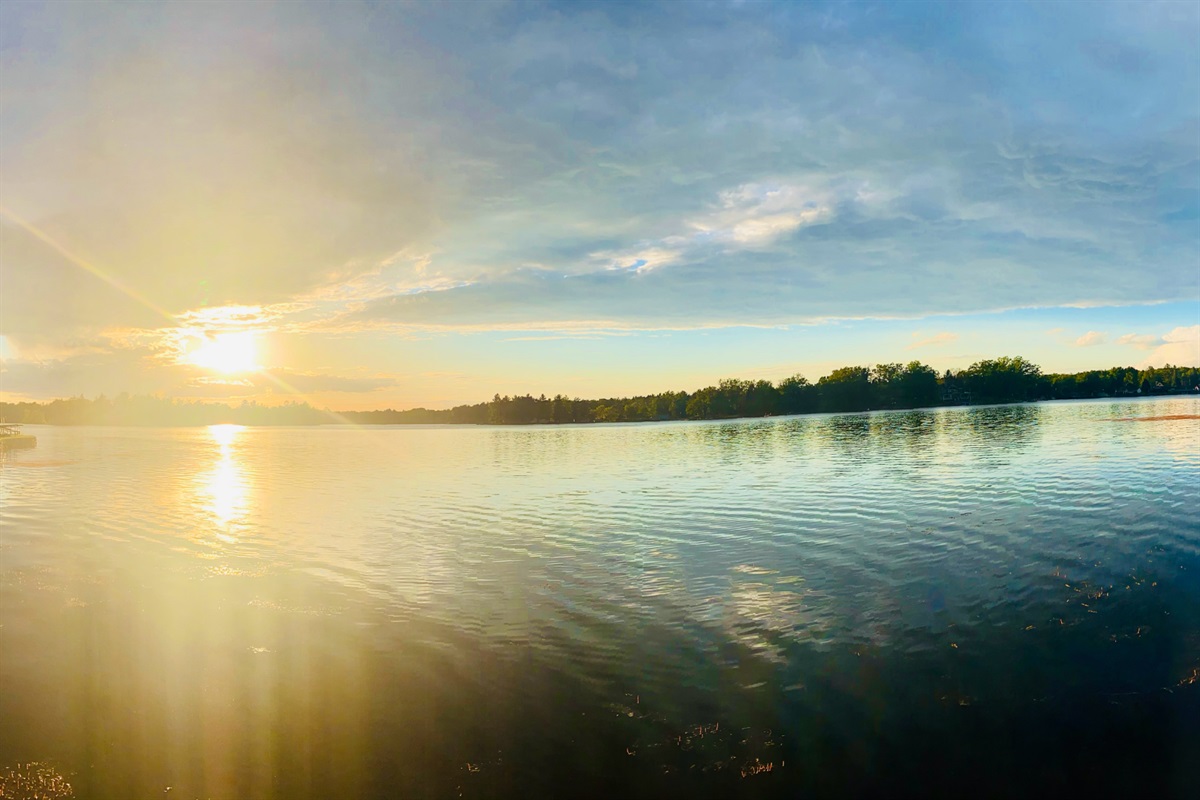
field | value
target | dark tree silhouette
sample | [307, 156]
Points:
[856, 388]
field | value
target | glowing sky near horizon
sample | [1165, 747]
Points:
[369, 205]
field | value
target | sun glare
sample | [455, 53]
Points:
[227, 353]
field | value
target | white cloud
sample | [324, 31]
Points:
[642, 259]
[1091, 339]
[1179, 346]
[756, 214]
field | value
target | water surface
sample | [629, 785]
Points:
[994, 600]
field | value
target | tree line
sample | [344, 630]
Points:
[126, 409]
[848, 389]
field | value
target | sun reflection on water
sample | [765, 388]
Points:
[226, 487]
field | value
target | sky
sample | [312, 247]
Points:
[371, 205]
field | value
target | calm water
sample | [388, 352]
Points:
[994, 600]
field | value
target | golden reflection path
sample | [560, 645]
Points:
[226, 488]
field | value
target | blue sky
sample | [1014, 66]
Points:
[424, 204]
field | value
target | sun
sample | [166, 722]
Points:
[227, 353]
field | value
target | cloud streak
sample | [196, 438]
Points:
[937, 339]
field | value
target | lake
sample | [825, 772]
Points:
[986, 600]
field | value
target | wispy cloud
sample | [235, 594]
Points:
[945, 337]
[311, 382]
[757, 214]
[1091, 339]
[806, 169]
[643, 259]
[1142, 341]
[410, 169]
[580, 335]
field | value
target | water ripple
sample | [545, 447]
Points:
[692, 599]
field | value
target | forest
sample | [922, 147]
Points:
[848, 389]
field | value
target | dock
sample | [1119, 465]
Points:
[11, 437]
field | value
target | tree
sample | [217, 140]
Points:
[885, 385]
[845, 389]
[560, 409]
[603, 413]
[1002, 380]
[797, 395]
[918, 386]
[699, 405]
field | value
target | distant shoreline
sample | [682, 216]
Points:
[332, 423]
